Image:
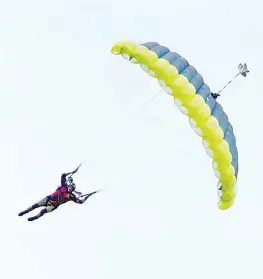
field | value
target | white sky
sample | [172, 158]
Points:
[66, 99]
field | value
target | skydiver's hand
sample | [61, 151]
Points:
[76, 169]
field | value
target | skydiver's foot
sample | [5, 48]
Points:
[23, 212]
[32, 218]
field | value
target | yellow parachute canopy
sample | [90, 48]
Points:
[194, 98]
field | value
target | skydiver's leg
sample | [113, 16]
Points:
[40, 214]
[47, 209]
[42, 202]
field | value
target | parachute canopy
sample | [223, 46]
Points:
[194, 98]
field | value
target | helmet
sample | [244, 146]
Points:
[70, 180]
[71, 187]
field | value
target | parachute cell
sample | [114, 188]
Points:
[194, 98]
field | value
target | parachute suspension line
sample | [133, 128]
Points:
[151, 99]
[104, 78]
[228, 84]
[242, 70]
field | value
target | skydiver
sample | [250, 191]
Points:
[63, 194]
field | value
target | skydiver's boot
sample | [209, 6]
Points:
[34, 206]
[40, 214]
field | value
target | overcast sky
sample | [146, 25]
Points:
[66, 99]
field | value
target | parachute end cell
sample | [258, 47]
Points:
[123, 47]
[223, 205]
[227, 194]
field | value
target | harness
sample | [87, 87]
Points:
[59, 197]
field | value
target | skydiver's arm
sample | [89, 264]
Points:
[63, 179]
[77, 200]
[64, 175]
[78, 193]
